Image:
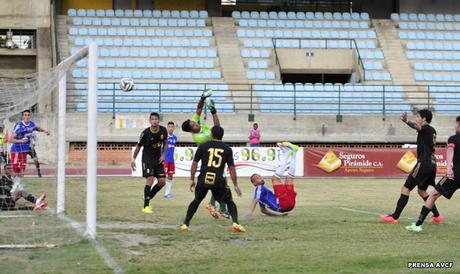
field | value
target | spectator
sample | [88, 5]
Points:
[254, 136]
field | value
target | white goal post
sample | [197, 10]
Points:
[91, 145]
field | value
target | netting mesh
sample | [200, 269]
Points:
[19, 227]
[18, 94]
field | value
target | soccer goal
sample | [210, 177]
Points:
[51, 227]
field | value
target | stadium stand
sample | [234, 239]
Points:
[432, 45]
[256, 31]
[144, 45]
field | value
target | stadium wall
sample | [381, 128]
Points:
[85, 4]
[310, 129]
[433, 6]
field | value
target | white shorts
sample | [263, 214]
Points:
[17, 185]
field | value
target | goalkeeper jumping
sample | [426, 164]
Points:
[202, 134]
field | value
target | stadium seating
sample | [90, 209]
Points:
[314, 30]
[172, 42]
[331, 98]
[432, 45]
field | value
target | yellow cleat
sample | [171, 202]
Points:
[295, 148]
[147, 210]
[238, 228]
[184, 228]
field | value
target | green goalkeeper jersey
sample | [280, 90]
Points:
[2, 142]
[205, 132]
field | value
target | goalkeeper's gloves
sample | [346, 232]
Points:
[211, 105]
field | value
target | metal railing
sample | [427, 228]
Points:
[271, 98]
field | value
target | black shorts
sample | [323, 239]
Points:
[220, 191]
[149, 170]
[32, 153]
[423, 175]
[447, 187]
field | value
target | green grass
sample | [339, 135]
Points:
[317, 237]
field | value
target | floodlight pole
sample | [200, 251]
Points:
[60, 207]
[91, 144]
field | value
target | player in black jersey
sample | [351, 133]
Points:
[448, 184]
[213, 155]
[155, 142]
[424, 172]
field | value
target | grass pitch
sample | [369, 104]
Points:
[334, 229]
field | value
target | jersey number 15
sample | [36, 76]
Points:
[215, 157]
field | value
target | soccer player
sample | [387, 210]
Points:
[213, 156]
[33, 154]
[169, 159]
[11, 192]
[283, 201]
[154, 139]
[448, 184]
[424, 172]
[20, 138]
[201, 134]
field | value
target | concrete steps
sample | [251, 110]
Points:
[397, 63]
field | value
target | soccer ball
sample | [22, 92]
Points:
[126, 84]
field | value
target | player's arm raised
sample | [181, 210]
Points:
[411, 124]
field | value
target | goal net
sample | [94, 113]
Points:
[20, 225]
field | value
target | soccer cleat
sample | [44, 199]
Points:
[41, 202]
[168, 196]
[42, 206]
[290, 145]
[150, 205]
[39, 175]
[184, 228]
[147, 210]
[224, 214]
[435, 220]
[238, 228]
[212, 211]
[207, 93]
[389, 219]
[414, 228]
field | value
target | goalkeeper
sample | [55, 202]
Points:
[202, 134]
[11, 192]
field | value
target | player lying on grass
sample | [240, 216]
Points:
[213, 156]
[424, 172]
[201, 134]
[11, 192]
[283, 200]
[448, 184]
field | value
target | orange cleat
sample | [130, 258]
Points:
[435, 220]
[389, 219]
[212, 211]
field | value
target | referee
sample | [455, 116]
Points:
[155, 142]
[213, 155]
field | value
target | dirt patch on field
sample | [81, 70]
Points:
[128, 240]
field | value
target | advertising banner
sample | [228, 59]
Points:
[248, 160]
[365, 162]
